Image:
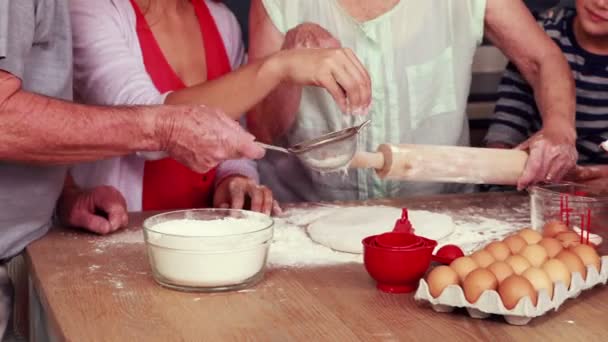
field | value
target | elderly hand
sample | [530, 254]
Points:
[232, 191]
[552, 155]
[201, 137]
[309, 36]
[101, 210]
[312, 56]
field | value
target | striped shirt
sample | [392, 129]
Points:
[516, 115]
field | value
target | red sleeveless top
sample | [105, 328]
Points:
[167, 184]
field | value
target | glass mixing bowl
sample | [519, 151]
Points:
[208, 250]
[574, 204]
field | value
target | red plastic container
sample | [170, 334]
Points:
[395, 240]
[397, 270]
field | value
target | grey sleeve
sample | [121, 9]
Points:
[3, 28]
[17, 27]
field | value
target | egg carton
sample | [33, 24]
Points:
[490, 303]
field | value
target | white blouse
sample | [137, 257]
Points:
[109, 70]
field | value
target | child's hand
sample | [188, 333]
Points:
[101, 210]
[234, 190]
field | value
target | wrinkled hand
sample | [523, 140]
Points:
[312, 56]
[233, 190]
[201, 137]
[101, 210]
[552, 155]
[309, 36]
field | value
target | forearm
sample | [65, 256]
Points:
[554, 91]
[274, 116]
[40, 130]
[237, 92]
[512, 28]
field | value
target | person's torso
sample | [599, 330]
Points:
[168, 184]
[419, 57]
[590, 72]
[29, 193]
[127, 173]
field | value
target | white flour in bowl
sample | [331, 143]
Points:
[200, 228]
[207, 254]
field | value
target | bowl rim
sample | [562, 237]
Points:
[431, 245]
[148, 228]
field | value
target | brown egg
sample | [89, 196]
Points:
[463, 266]
[573, 262]
[483, 258]
[499, 250]
[552, 246]
[478, 281]
[535, 254]
[518, 263]
[569, 239]
[588, 255]
[440, 278]
[539, 279]
[557, 271]
[552, 228]
[514, 288]
[516, 243]
[501, 270]
[530, 235]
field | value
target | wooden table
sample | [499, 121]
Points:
[88, 293]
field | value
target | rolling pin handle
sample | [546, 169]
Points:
[367, 160]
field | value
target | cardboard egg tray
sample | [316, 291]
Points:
[490, 302]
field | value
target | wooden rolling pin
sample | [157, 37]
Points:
[449, 164]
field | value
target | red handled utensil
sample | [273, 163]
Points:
[403, 225]
[444, 255]
[448, 253]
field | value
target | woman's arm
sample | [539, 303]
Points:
[512, 28]
[273, 117]
[108, 72]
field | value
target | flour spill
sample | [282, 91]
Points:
[129, 236]
[292, 247]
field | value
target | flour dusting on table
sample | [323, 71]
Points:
[121, 237]
[292, 247]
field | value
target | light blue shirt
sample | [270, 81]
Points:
[419, 56]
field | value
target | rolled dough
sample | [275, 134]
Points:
[343, 229]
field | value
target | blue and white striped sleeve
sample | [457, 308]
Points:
[515, 110]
